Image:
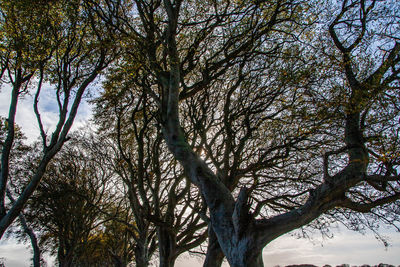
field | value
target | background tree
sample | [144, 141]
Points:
[18, 150]
[72, 203]
[56, 43]
[161, 199]
[116, 239]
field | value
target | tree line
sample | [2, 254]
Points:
[218, 125]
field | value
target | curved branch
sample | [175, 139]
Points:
[367, 207]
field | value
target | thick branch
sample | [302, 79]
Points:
[367, 207]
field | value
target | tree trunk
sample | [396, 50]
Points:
[167, 247]
[230, 219]
[242, 257]
[141, 255]
[214, 256]
[118, 261]
[30, 233]
[64, 255]
[34, 242]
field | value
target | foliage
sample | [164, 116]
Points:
[54, 43]
[70, 209]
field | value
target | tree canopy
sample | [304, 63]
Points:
[236, 120]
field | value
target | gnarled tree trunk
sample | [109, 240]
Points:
[141, 255]
[214, 256]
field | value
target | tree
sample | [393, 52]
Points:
[114, 245]
[185, 51]
[161, 200]
[71, 205]
[37, 258]
[17, 152]
[57, 43]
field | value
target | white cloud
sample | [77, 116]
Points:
[19, 255]
[48, 109]
[16, 255]
[346, 247]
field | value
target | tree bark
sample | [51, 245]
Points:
[6, 149]
[214, 256]
[34, 241]
[30, 233]
[245, 255]
[167, 247]
[141, 255]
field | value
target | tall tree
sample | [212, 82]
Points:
[18, 151]
[56, 43]
[112, 244]
[161, 199]
[72, 203]
[186, 50]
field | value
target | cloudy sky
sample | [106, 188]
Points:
[48, 108]
[345, 247]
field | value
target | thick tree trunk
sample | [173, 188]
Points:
[214, 256]
[141, 255]
[240, 238]
[244, 257]
[167, 247]
[230, 219]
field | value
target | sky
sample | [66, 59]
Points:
[48, 108]
[346, 247]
